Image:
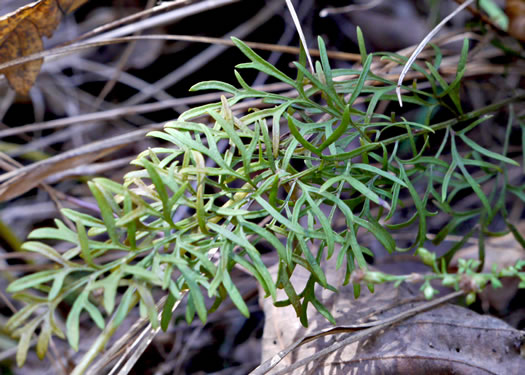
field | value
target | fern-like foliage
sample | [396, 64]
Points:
[194, 210]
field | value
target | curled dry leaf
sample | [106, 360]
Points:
[21, 35]
[515, 10]
[448, 339]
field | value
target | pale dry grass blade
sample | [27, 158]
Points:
[349, 8]
[300, 32]
[422, 45]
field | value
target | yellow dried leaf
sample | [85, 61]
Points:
[21, 35]
[515, 10]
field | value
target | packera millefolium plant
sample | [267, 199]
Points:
[278, 176]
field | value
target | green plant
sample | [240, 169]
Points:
[222, 189]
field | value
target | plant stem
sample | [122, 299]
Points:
[448, 123]
[100, 343]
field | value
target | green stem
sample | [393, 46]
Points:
[445, 124]
[100, 342]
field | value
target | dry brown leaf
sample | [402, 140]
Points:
[17, 182]
[21, 35]
[448, 339]
[515, 10]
